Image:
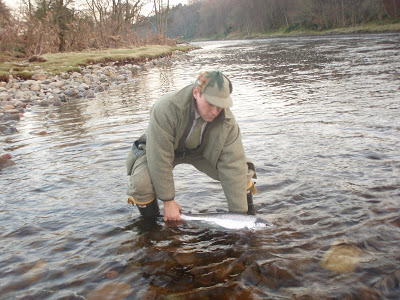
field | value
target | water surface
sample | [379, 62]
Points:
[320, 118]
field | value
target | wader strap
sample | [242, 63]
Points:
[133, 201]
[252, 188]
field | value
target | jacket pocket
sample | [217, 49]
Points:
[137, 150]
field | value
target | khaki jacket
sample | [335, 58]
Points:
[170, 120]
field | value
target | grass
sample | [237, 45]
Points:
[57, 63]
[299, 31]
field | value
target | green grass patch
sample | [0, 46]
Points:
[56, 63]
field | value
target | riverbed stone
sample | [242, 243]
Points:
[35, 88]
[30, 82]
[8, 107]
[3, 128]
[89, 94]
[75, 75]
[12, 111]
[39, 76]
[341, 258]
[44, 102]
[6, 161]
[71, 92]
[12, 117]
[4, 96]
[84, 86]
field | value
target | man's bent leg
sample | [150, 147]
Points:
[141, 189]
[203, 166]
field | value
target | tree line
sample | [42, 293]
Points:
[56, 25]
[218, 18]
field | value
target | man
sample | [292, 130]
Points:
[194, 126]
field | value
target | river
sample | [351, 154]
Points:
[320, 118]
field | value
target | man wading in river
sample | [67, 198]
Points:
[192, 126]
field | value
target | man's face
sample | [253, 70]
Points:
[207, 111]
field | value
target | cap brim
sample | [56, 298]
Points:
[219, 102]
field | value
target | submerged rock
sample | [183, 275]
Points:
[389, 285]
[110, 290]
[6, 161]
[341, 258]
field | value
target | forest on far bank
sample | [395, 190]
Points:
[219, 18]
[43, 26]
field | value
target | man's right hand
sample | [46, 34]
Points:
[172, 211]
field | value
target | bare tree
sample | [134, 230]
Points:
[161, 13]
[99, 11]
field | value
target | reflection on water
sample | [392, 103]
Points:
[319, 117]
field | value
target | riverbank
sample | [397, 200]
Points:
[14, 67]
[63, 77]
[298, 31]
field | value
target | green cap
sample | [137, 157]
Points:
[216, 88]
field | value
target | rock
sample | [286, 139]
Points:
[20, 95]
[99, 89]
[12, 117]
[75, 75]
[3, 128]
[44, 102]
[111, 290]
[63, 98]
[341, 258]
[6, 161]
[29, 82]
[59, 84]
[8, 107]
[89, 94]
[71, 92]
[39, 76]
[12, 111]
[112, 274]
[43, 132]
[37, 273]
[10, 130]
[83, 86]
[20, 104]
[4, 96]
[35, 88]
[53, 97]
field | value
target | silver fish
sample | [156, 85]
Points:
[228, 220]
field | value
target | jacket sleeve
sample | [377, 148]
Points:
[232, 171]
[160, 148]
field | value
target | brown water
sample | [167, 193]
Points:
[320, 117]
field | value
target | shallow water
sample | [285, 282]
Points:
[320, 118]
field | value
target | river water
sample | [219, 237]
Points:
[320, 118]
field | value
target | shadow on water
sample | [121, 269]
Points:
[319, 118]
